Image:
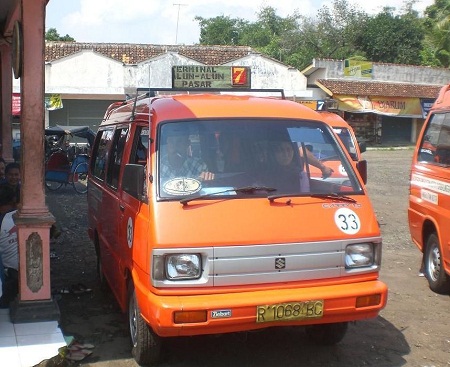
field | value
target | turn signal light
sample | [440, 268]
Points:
[367, 301]
[189, 317]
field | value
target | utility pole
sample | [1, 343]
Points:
[178, 18]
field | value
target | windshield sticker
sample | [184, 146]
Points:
[429, 196]
[182, 186]
[347, 221]
[342, 170]
[130, 232]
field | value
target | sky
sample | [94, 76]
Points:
[170, 22]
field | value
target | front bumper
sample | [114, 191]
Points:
[339, 305]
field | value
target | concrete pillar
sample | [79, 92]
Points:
[33, 218]
[6, 100]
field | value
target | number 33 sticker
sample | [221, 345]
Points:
[347, 221]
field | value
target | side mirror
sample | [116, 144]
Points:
[362, 146]
[362, 169]
[133, 180]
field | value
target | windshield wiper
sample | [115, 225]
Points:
[241, 190]
[332, 196]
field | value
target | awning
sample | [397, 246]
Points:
[390, 106]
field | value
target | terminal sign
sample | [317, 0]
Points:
[199, 76]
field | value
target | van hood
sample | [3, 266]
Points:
[258, 221]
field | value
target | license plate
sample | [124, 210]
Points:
[290, 311]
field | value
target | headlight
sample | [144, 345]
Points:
[359, 255]
[183, 266]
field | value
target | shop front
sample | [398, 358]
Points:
[384, 120]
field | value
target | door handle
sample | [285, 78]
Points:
[121, 207]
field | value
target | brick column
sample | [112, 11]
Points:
[33, 218]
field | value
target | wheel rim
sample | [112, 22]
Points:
[79, 178]
[132, 315]
[434, 263]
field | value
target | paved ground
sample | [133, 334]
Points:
[413, 330]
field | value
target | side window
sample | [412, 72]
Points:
[115, 161]
[140, 146]
[100, 155]
[139, 155]
[435, 146]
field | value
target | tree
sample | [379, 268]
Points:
[437, 34]
[331, 34]
[221, 30]
[340, 31]
[392, 38]
[53, 35]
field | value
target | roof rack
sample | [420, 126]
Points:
[152, 92]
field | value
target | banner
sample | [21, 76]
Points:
[357, 68]
[53, 102]
[15, 104]
[390, 106]
[426, 104]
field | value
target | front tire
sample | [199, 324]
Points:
[79, 178]
[146, 344]
[438, 280]
[327, 334]
[53, 185]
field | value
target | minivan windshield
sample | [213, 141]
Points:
[251, 158]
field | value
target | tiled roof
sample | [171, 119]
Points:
[360, 88]
[129, 53]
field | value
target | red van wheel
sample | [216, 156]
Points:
[438, 280]
[146, 345]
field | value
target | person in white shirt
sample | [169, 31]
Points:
[9, 248]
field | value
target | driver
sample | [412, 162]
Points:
[177, 160]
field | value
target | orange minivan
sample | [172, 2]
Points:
[429, 196]
[346, 134]
[206, 219]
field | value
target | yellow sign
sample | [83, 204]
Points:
[310, 104]
[357, 68]
[393, 106]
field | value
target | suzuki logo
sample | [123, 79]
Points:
[280, 263]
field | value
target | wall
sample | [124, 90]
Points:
[387, 72]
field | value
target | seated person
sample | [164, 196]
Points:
[12, 178]
[284, 169]
[289, 172]
[9, 250]
[177, 161]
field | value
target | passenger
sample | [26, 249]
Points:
[9, 250]
[290, 175]
[177, 161]
[2, 169]
[12, 178]
[287, 172]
